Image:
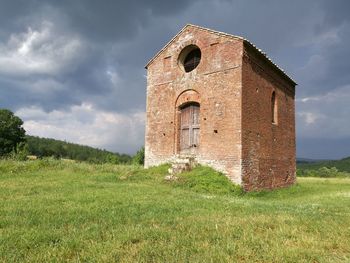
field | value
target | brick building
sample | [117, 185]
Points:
[218, 98]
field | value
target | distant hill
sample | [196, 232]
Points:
[45, 147]
[342, 165]
[308, 160]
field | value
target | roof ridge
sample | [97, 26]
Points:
[216, 31]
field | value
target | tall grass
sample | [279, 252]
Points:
[56, 211]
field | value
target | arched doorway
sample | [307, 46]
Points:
[189, 128]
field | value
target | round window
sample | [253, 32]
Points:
[189, 58]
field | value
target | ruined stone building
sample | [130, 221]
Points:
[216, 97]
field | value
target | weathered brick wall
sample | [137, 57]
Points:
[215, 84]
[268, 150]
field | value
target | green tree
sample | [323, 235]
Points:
[139, 157]
[11, 132]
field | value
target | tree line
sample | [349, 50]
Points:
[44, 147]
[15, 143]
[341, 165]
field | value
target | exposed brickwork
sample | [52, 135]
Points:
[268, 152]
[233, 84]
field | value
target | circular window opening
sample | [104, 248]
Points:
[189, 58]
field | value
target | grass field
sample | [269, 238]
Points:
[55, 211]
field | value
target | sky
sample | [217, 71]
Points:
[74, 69]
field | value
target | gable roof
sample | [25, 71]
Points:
[246, 41]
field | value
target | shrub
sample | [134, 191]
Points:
[206, 180]
[21, 152]
[139, 157]
[327, 172]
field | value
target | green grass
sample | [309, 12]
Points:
[55, 211]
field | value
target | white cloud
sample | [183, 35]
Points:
[114, 77]
[39, 51]
[309, 117]
[341, 94]
[326, 115]
[87, 125]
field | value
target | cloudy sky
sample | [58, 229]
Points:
[74, 69]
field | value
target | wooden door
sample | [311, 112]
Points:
[189, 129]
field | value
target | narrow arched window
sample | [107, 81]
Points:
[273, 108]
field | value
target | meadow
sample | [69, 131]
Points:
[60, 211]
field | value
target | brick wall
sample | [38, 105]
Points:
[268, 149]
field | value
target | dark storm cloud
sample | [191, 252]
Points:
[10, 14]
[86, 56]
[337, 12]
[323, 149]
[116, 20]
[99, 27]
